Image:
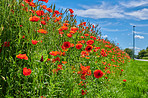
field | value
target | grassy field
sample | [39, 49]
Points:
[136, 85]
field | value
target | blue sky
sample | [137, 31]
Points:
[115, 17]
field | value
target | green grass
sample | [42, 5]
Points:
[136, 86]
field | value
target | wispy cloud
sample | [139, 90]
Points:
[134, 3]
[109, 24]
[138, 33]
[139, 14]
[138, 36]
[135, 48]
[104, 36]
[139, 25]
[112, 30]
[106, 10]
[103, 11]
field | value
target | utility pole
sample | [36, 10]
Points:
[133, 42]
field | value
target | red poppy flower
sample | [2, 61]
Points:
[32, 11]
[59, 67]
[65, 24]
[69, 34]
[54, 53]
[88, 48]
[67, 44]
[79, 46]
[64, 62]
[42, 59]
[34, 42]
[82, 36]
[27, 1]
[93, 26]
[44, 6]
[56, 12]
[89, 42]
[42, 31]
[74, 29]
[85, 71]
[23, 36]
[83, 77]
[22, 4]
[32, 4]
[64, 27]
[83, 92]
[22, 56]
[121, 69]
[72, 32]
[44, 0]
[108, 71]
[86, 34]
[49, 10]
[98, 73]
[63, 48]
[84, 53]
[34, 19]
[43, 22]
[43, 97]
[124, 80]
[0, 50]
[6, 44]
[71, 15]
[40, 13]
[54, 70]
[56, 59]
[58, 18]
[26, 71]
[71, 11]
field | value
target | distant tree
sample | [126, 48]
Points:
[147, 49]
[128, 51]
[142, 53]
[146, 54]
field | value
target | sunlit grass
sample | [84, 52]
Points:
[136, 74]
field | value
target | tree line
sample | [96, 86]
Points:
[142, 54]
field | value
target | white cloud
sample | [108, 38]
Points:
[112, 30]
[109, 23]
[139, 25]
[138, 36]
[104, 36]
[106, 10]
[140, 33]
[106, 24]
[135, 3]
[99, 13]
[103, 11]
[135, 48]
[140, 14]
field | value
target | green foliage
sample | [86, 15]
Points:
[146, 58]
[143, 53]
[129, 51]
